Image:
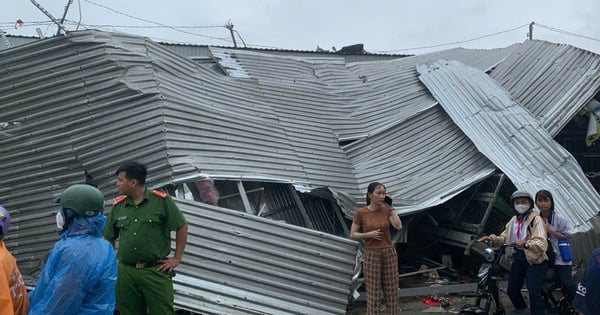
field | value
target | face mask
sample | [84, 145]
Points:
[521, 208]
[60, 220]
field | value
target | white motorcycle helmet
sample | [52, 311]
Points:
[521, 194]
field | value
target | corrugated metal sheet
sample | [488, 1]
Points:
[237, 263]
[201, 51]
[347, 100]
[14, 41]
[85, 102]
[444, 162]
[511, 138]
[553, 81]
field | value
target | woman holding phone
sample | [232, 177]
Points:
[371, 223]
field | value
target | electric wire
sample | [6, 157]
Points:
[156, 23]
[454, 43]
[78, 22]
[152, 26]
[554, 29]
[180, 28]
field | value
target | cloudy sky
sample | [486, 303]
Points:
[383, 26]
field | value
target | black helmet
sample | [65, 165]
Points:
[83, 199]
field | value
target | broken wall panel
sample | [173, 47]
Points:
[237, 263]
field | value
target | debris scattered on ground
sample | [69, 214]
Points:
[436, 300]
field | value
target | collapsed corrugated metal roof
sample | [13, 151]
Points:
[511, 137]
[79, 104]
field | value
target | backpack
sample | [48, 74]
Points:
[549, 250]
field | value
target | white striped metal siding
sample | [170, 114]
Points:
[67, 111]
[237, 263]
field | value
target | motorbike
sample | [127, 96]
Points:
[556, 305]
[487, 283]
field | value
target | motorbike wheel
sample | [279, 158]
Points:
[565, 308]
[568, 311]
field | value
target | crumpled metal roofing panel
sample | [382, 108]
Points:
[83, 103]
[237, 263]
[86, 102]
[445, 161]
[512, 138]
[353, 95]
[348, 100]
[553, 81]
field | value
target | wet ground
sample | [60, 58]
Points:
[415, 305]
[414, 292]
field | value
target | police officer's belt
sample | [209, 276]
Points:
[142, 265]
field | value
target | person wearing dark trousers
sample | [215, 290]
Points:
[558, 230]
[587, 298]
[526, 232]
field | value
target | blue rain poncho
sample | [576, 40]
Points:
[80, 274]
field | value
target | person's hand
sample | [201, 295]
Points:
[547, 226]
[520, 244]
[376, 234]
[169, 263]
[484, 238]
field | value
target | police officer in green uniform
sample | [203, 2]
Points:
[142, 220]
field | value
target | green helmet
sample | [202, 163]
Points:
[83, 199]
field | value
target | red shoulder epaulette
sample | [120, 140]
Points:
[160, 193]
[119, 199]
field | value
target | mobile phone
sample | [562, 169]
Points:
[388, 200]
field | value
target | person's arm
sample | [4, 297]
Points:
[395, 219]
[109, 232]
[538, 240]
[496, 239]
[180, 241]
[6, 303]
[563, 229]
[355, 234]
[171, 262]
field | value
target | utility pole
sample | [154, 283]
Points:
[60, 26]
[62, 20]
[229, 26]
[530, 34]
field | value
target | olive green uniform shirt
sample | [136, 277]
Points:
[143, 230]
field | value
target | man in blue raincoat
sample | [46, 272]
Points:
[80, 274]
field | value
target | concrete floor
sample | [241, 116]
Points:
[411, 300]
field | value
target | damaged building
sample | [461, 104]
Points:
[268, 153]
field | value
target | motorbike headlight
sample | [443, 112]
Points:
[489, 254]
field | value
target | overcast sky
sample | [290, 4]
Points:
[390, 26]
